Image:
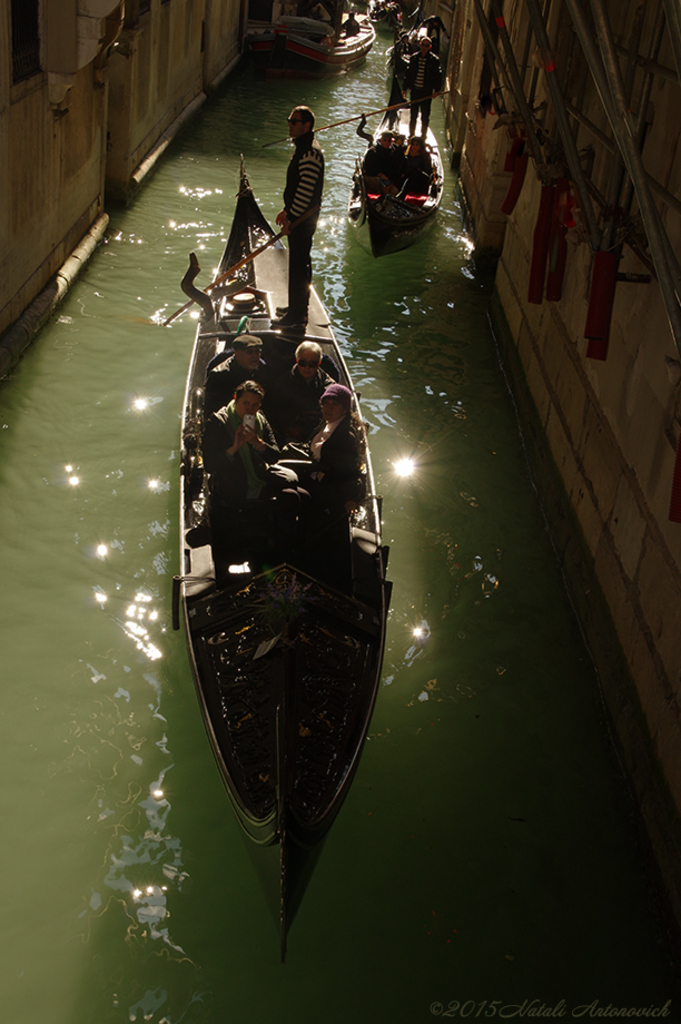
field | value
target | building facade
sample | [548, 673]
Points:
[566, 131]
[91, 93]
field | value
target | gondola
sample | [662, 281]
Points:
[385, 14]
[307, 48]
[385, 224]
[286, 663]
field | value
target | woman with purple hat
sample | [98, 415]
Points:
[336, 448]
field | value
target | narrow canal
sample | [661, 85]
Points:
[487, 855]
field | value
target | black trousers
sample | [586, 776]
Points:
[300, 269]
[423, 106]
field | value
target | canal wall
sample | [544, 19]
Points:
[95, 92]
[603, 432]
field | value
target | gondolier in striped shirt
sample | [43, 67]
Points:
[424, 77]
[303, 193]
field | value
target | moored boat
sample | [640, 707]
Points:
[384, 223]
[286, 656]
[308, 48]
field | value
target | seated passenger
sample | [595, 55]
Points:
[350, 26]
[418, 170]
[245, 364]
[336, 449]
[240, 454]
[383, 166]
[294, 408]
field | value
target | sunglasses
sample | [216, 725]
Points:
[308, 362]
[295, 120]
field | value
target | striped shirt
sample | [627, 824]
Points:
[419, 81]
[305, 178]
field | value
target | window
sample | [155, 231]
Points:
[25, 39]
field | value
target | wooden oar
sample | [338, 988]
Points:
[356, 117]
[242, 263]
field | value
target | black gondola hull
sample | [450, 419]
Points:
[286, 703]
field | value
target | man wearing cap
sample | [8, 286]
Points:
[245, 364]
[383, 165]
[424, 77]
[302, 195]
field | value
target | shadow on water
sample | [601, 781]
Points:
[486, 854]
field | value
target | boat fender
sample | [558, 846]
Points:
[601, 301]
[540, 245]
[516, 184]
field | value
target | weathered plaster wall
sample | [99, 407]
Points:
[225, 26]
[604, 433]
[51, 185]
[164, 62]
[155, 71]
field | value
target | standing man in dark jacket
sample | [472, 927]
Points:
[424, 77]
[303, 192]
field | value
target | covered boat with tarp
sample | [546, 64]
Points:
[286, 655]
[314, 43]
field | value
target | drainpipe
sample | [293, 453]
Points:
[567, 138]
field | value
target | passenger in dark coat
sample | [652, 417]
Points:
[294, 402]
[336, 447]
[383, 165]
[240, 454]
[223, 379]
[418, 169]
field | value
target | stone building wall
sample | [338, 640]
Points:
[52, 128]
[107, 86]
[604, 433]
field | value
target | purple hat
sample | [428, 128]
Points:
[339, 393]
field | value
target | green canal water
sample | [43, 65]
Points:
[486, 861]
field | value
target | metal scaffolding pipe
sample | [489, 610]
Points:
[672, 12]
[617, 172]
[517, 85]
[493, 53]
[644, 99]
[624, 131]
[567, 138]
[665, 195]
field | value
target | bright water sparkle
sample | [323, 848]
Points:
[486, 851]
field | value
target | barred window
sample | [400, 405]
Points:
[25, 39]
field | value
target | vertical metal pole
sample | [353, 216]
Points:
[491, 47]
[617, 165]
[656, 42]
[517, 86]
[571, 154]
[672, 12]
[623, 128]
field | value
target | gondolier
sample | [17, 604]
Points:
[303, 192]
[424, 77]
